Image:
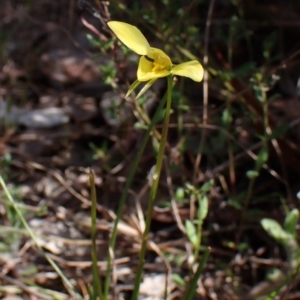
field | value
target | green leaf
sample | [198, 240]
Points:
[274, 229]
[262, 158]
[191, 233]
[178, 280]
[206, 187]
[235, 203]
[227, 116]
[139, 125]
[274, 275]
[279, 131]
[243, 246]
[236, 200]
[179, 194]
[291, 221]
[252, 174]
[203, 207]
[225, 76]
[93, 41]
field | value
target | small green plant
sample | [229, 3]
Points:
[194, 227]
[109, 72]
[286, 236]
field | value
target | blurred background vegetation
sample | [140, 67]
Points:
[230, 178]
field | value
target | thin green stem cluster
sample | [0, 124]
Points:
[154, 188]
[112, 242]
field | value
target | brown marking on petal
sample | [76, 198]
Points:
[148, 58]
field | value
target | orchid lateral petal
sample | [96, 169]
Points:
[145, 88]
[145, 70]
[132, 87]
[145, 67]
[130, 36]
[154, 75]
[192, 69]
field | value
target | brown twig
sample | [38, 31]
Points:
[205, 89]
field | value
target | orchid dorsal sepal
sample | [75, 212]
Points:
[130, 36]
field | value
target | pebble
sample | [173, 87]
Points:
[44, 118]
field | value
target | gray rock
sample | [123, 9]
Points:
[44, 118]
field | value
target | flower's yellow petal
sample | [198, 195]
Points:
[154, 75]
[145, 66]
[192, 69]
[130, 36]
[145, 70]
[161, 59]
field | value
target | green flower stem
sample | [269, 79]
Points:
[135, 163]
[153, 190]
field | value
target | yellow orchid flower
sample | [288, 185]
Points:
[154, 63]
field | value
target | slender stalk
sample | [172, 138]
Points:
[112, 241]
[191, 289]
[205, 92]
[199, 234]
[153, 190]
[245, 209]
[257, 167]
[97, 287]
